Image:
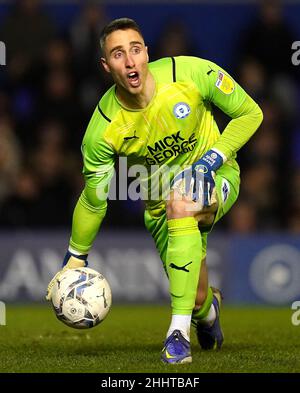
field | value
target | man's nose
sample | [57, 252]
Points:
[129, 61]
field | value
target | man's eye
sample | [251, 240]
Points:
[136, 50]
[118, 55]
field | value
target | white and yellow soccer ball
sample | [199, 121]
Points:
[81, 298]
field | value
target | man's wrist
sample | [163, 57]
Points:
[77, 254]
[213, 159]
[74, 256]
[220, 153]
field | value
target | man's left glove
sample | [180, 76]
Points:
[198, 180]
[71, 261]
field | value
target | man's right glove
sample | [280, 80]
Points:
[71, 261]
[197, 181]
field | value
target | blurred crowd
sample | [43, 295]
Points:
[53, 81]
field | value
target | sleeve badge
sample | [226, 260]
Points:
[224, 83]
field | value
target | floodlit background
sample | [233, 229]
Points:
[49, 88]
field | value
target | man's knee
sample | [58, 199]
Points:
[179, 209]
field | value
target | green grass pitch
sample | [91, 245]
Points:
[130, 340]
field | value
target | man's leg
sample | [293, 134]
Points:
[206, 313]
[158, 226]
[202, 286]
[204, 296]
[183, 265]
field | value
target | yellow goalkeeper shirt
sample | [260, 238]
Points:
[174, 130]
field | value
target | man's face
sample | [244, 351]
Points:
[126, 58]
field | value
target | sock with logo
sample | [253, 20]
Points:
[183, 262]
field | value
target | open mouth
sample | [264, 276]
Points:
[133, 78]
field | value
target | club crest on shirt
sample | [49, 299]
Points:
[224, 83]
[181, 110]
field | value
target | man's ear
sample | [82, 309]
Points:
[147, 54]
[104, 64]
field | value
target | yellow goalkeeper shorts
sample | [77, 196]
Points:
[227, 182]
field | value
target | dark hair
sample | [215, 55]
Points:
[118, 24]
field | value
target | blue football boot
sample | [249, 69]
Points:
[211, 336]
[176, 349]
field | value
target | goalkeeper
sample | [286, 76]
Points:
[159, 114]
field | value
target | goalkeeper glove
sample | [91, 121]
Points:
[198, 180]
[71, 261]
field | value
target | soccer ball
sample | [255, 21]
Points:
[81, 298]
